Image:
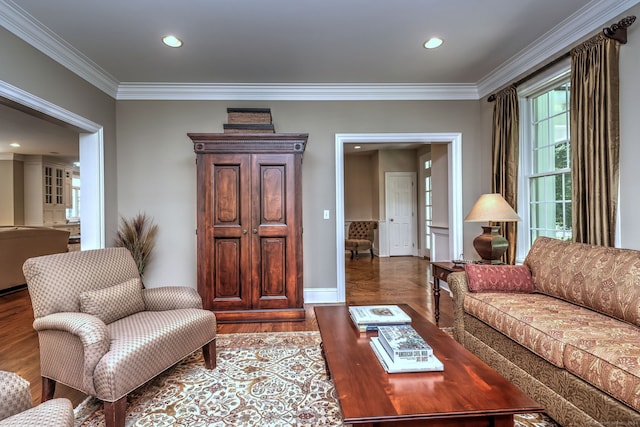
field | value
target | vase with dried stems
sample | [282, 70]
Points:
[138, 234]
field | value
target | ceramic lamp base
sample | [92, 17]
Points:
[491, 245]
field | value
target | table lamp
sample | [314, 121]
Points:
[490, 245]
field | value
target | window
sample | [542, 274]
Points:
[73, 213]
[546, 162]
[427, 205]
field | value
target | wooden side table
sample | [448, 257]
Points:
[440, 270]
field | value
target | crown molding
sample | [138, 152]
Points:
[296, 92]
[556, 41]
[27, 28]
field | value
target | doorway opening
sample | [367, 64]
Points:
[91, 142]
[454, 188]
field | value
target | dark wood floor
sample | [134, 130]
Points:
[379, 281]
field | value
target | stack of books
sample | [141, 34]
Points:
[401, 349]
[249, 120]
[369, 317]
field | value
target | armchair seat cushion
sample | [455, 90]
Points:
[16, 410]
[52, 413]
[146, 343]
[357, 244]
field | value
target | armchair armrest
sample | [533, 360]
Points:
[171, 298]
[458, 284]
[15, 395]
[91, 331]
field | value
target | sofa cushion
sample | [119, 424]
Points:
[527, 319]
[609, 358]
[604, 279]
[114, 302]
[601, 350]
[504, 278]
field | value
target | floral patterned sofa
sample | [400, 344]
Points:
[570, 338]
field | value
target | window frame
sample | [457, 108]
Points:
[541, 84]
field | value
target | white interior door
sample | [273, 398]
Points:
[400, 196]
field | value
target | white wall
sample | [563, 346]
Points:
[630, 136]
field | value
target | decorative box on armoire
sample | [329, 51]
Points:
[249, 236]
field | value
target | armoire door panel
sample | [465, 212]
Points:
[272, 180]
[227, 275]
[226, 189]
[273, 268]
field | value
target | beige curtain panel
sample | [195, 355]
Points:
[505, 160]
[595, 140]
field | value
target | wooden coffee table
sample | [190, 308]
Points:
[467, 393]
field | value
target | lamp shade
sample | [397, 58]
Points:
[492, 207]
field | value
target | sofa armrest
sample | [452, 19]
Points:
[171, 298]
[91, 331]
[15, 395]
[458, 284]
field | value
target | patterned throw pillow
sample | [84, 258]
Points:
[499, 278]
[115, 302]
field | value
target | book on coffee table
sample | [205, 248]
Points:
[432, 364]
[403, 343]
[369, 317]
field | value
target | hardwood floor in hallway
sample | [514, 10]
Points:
[395, 280]
[369, 281]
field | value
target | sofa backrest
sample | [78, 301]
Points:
[55, 282]
[603, 279]
[19, 243]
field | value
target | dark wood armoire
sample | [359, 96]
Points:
[249, 225]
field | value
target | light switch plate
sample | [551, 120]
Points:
[326, 214]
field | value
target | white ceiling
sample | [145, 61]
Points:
[341, 44]
[36, 136]
[300, 41]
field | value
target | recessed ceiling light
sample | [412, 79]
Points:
[172, 41]
[14, 144]
[357, 147]
[433, 43]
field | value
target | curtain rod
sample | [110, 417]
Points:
[616, 31]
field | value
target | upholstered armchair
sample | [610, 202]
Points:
[16, 407]
[101, 333]
[360, 237]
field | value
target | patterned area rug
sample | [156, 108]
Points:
[261, 379]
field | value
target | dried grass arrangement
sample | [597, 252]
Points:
[138, 234]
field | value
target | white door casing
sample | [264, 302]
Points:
[454, 185]
[91, 142]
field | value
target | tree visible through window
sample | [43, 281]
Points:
[550, 164]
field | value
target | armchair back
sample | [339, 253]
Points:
[362, 230]
[56, 281]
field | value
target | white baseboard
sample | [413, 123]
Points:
[321, 296]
